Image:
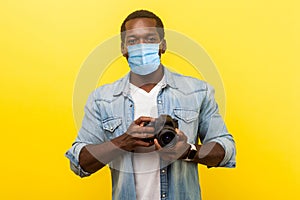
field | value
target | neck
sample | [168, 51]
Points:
[147, 82]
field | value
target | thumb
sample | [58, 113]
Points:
[157, 146]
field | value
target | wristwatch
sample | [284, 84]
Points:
[191, 153]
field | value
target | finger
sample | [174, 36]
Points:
[180, 134]
[142, 130]
[138, 128]
[147, 129]
[178, 131]
[141, 119]
[157, 145]
[143, 144]
[142, 135]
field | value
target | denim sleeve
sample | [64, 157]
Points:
[89, 133]
[213, 129]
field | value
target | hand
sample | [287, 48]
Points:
[135, 134]
[175, 152]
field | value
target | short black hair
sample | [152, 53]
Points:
[143, 14]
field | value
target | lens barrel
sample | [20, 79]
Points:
[165, 130]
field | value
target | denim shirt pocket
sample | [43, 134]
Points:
[187, 115]
[188, 122]
[110, 126]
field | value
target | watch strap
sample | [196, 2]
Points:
[191, 153]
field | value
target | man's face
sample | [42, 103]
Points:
[141, 30]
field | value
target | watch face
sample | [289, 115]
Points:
[192, 154]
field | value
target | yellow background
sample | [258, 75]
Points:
[254, 44]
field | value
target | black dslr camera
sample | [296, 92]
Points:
[164, 130]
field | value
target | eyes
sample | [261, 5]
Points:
[134, 40]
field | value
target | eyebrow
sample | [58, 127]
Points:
[147, 35]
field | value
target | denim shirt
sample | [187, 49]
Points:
[110, 110]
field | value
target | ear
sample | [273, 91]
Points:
[124, 50]
[163, 46]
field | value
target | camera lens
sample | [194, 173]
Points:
[166, 136]
[165, 132]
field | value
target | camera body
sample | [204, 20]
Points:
[164, 130]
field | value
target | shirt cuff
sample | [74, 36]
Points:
[73, 155]
[229, 148]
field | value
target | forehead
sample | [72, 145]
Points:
[140, 26]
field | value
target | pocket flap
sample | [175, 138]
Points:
[185, 114]
[111, 124]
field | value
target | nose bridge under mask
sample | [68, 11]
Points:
[142, 47]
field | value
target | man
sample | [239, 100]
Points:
[120, 123]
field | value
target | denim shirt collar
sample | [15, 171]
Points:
[123, 86]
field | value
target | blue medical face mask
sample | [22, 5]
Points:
[143, 58]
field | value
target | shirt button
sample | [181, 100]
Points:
[163, 195]
[159, 101]
[111, 128]
[163, 171]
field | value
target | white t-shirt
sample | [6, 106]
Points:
[146, 165]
